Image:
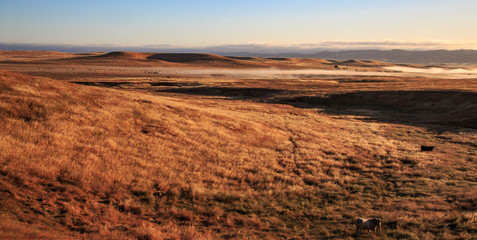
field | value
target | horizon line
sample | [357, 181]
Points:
[266, 48]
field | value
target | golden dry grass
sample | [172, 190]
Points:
[172, 162]
[200, 60]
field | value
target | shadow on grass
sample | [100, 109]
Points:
[448, 108]
[443, 109]
[235, 93]
[439, 110]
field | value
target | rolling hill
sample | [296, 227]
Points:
[212, 163]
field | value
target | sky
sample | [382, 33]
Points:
[405, 24]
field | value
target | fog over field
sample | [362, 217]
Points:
[437, 72]
[314, 73]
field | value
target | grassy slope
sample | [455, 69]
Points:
[102, 162]
[194, 60]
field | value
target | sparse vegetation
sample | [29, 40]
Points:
[203, 160]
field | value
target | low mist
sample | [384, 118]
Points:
[323, 73]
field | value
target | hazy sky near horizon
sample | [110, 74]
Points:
[411, 23]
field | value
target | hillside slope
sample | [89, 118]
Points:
[120, 58]
[84, 161]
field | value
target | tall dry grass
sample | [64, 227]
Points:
[96, 162]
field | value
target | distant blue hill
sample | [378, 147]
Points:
[394, 56]
[403, 56]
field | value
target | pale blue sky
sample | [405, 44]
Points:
[214, 22]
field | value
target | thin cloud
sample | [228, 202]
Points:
[424, 45]
[342, 45]
[269, 48]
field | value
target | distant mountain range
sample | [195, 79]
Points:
[393, 56]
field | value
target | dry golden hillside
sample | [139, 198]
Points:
[223, 158]
[194, 60]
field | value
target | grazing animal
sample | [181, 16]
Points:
[426, 148]
[365, 224]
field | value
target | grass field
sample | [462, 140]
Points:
[126, 155]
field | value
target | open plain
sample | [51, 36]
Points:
[200, 146]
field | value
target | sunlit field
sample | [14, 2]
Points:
[129, 146]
